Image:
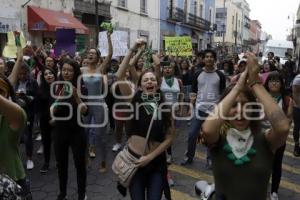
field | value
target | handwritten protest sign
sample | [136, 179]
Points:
[179, 46]
[10, 49]
[119, 42]
[65, 41]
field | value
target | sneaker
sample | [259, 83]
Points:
[41, 150]
[296, 151]
[170, 180]
[92, 152]
[44, 169]
[274, 196]
[29, 164]
[169, 158]
[103, 168]
[38, 137]
[116, 147]
[186, 161]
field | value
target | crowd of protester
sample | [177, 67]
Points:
[72, 102]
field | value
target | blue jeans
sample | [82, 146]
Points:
[197, 122]
[152, 181]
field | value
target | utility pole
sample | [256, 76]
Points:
[236, 31]
[224, 26]
[96, 22]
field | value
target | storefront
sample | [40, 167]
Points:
[42, 24]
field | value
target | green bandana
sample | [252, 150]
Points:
[277, 98]
[150, 103]
[169, 80]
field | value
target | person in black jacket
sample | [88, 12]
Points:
[67, 132]
[26, 90]
[44, 101]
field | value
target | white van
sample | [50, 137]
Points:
[279, 48]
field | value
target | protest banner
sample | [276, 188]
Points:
[65, 41]
[119, 42]
[10, 49]
[179, 46]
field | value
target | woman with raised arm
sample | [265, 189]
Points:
[95, 79]
[242, 154]
[151, 175]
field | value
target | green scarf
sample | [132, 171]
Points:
[277, 98]
[169, 80]
[150, 103]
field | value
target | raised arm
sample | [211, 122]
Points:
[212, 125]
[156, 62]
[13, 77]
[132, 64]
[279, 122]
[125, 89]
[12, 113]
[105, 65]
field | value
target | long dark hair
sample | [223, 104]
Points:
[76, 69]
[44, 89]
[254, 124]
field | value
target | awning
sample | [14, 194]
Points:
[41, 19]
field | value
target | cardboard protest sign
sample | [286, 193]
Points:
[119, 42]
[10, 49]
[179, 46]
[65, 42]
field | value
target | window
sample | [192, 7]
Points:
[232, 20]
[122, 3]
[210, 15]
[201, 10]
[195, 8]
[144, 6]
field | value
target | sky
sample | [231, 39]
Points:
[273, 15]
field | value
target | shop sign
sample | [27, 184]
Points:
[39, 26]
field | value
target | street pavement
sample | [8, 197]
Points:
[103, 186]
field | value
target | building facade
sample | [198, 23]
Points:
[229, 20]
[140, 18]
[184, 17]
[85, 10]
[243, 4]
[38, 19]
[255, 35]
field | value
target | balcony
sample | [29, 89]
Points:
[178, 15]
[198, 22]
[88, 7]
